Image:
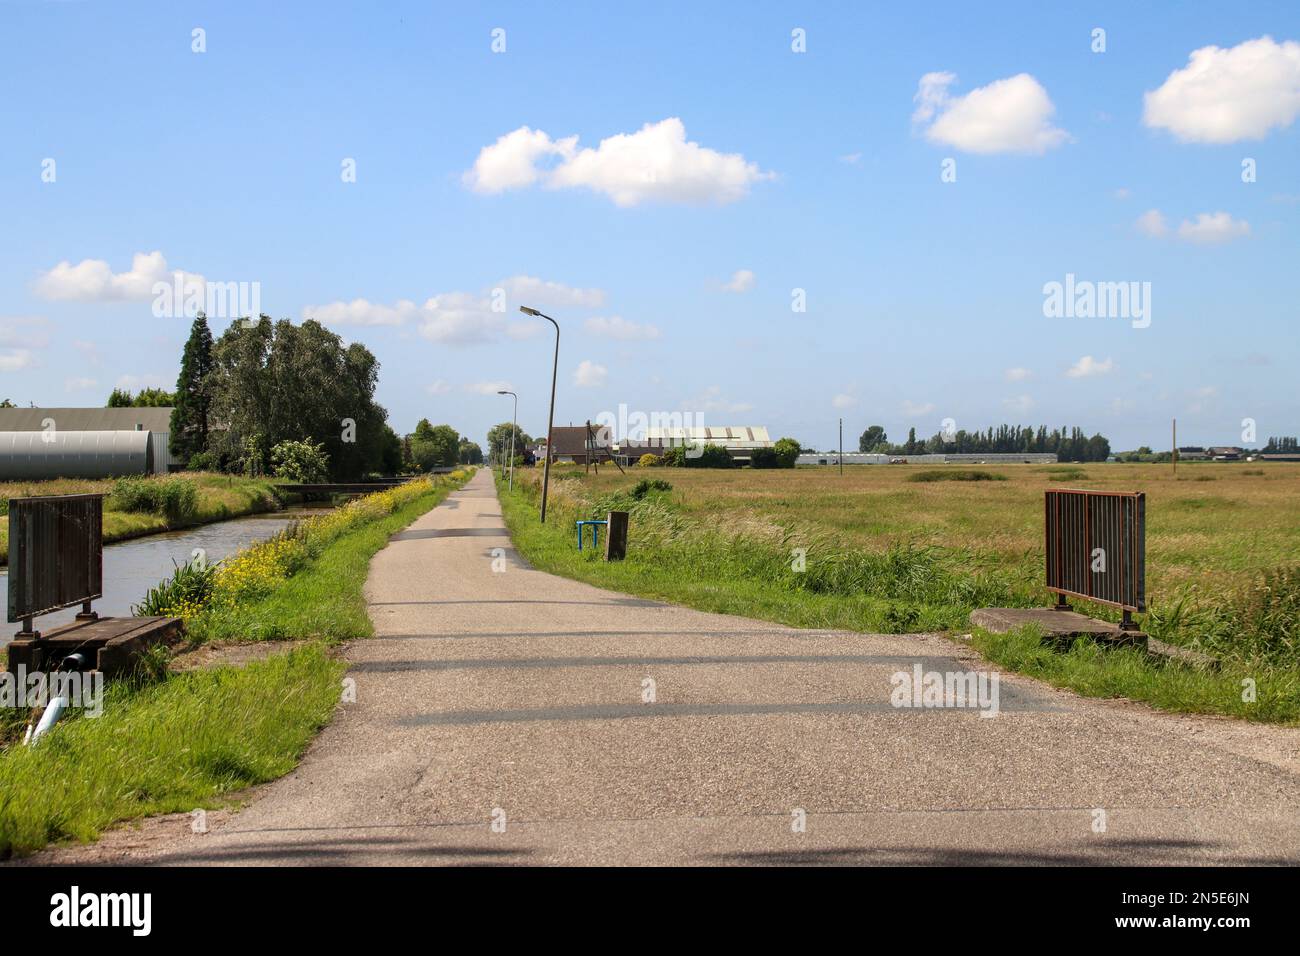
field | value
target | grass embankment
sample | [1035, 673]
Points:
[180, 741]
[882, 552]
[134, 507]
[175, 745]
[305, 582]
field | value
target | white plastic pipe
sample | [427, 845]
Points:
[53, 712]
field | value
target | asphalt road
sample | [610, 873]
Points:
[501, 716]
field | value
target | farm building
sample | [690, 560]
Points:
[739, 440]
[39, 443]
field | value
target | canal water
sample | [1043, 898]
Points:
[132, 567]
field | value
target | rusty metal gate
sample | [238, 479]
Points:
[56, 554]
[1096, 547]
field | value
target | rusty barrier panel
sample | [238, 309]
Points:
[1096, 546]
[56, 553]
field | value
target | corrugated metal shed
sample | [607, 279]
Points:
[728, 436]
[155, 420]
[37, 455]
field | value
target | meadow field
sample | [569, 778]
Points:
[887, 550]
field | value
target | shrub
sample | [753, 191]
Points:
[674, 457]
[202, 461]
[648, 461]
[957, 474]
[710, 456]
[176, 499]
[182, 594]
[300, 461]
[764, 458]
[787, 452]
[647, 485]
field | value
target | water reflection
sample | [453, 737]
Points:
[131, 568]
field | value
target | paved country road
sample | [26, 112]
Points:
[490, 692]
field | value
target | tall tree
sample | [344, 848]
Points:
[872, 437]
[189, 426]
[276, 381]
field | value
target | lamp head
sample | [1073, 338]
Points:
[527, 311]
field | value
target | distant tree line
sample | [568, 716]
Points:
[1286, 443]
[145, 398]
[1071, 445]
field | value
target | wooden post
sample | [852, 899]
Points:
[616, 536]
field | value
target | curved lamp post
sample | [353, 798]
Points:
[550, 419]
[514, 428]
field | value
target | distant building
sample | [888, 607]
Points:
[739, 440]
[39, 443]
[1225, 452]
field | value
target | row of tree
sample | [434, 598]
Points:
[241, 400]
[1070, 445]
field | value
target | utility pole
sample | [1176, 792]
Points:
[841, 448]
[1175, 448]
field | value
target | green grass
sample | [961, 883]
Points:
[884, 554]
[181, 741]
[1097, 671]
[323, 599]
[173, 746]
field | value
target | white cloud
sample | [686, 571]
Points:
[656, 163]
[1121, 193]
[489, 388]
[843, 400]
[459, 318]
[1007, 116]
[1017, 374]
[712, 400]
[617, 327]
[1018, 405]
[1152, 223]
[437, 387]
[1227, 95]
[914, 409]
[588, 374]
[528, 290]
[93, 280]
[1088, 366]
[79, 384]
[13, 360]
[851, 159]
[742, 280]
[1209, 227]
[1213, 227]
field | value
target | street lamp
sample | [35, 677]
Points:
[514, 427]
[550, 420]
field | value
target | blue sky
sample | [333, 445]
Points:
[812, 171]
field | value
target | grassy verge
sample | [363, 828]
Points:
[305, 582]
[216, 497]
[796, 548]
[172, 746]
[180, 741]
